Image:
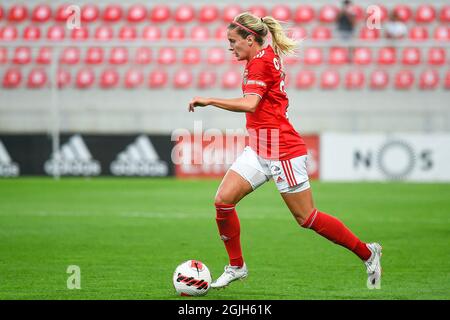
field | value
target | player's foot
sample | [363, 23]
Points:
[373, 265]
[230, 274]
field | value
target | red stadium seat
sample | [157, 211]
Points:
[358, 12]
[305, 79]
[425, 13]
[17, 13]
[191, 56]
[447, 80]
[200, 33]
[80, 34]
[362, 56]
[281, 12]
[3, 55]
[379, 79]
[330, 79]
[157, 79]
[184, 13]
[404, 79]
[328, 13]
[89, 13]
[56, 33]
[338, 56]
[208, 13]
[442, 33]
[167, 56]
[85, 78]
[44, 55]
[215, 56]
[304, 14]
[160, 13]
[127, 32]
[297, 33]
[104, 33]
[403, 12]
[445, 14]
[206, 79]
[12, 78]
[387, 56]
[369, 34]
[134, 78]
[411, 56]
[143, 55]
[31, 33]
[109, 78]
[182, 79]
[231, 79]
[221, 32]
[229, 12]
[418, 33]
[37, 78]
[136, 13]
[258, 10]
[321, 33]
[175, 32]
[1, 12]
[436, 56]
[313, 56]
[429, 80]
[94, 55]
[22, 55]
[151, 33]
[290, 60]
[8, 33]
[41, 13]
[63, 78]
[62, 13]
[354, 79]
[112, 13]
[118, 55]
[70, 56]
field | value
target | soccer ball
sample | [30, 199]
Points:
[192, 278]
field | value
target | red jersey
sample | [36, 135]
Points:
[272, 136]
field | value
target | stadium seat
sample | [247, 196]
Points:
[1, 12]
[94, 55]
[328, 13]
[404, 80]
[167, 56]
[258, 10]
[22, 55]
[297, 33]
[369, 34]
[447, 80]
[445, 14]
[281, 12]
[63, 78]
[215, 56]
[62, 13]
[411, 56]
[231, 79]
[358, 12]
[109, 78]
[403, 12]
[436, 56]
[118, 55]
[175, 33]
[8, 33]
[80, 34]
[418, 33]
[290, 60]
[3, 55]
[143, 55]
[354, 79]
[221, 32]
[206, 79]
[338, 56]
[12, 78]
[200, 33]
[103, 33]
[127, 32]
[133, 78]
[44, 55]
[387, 56]
[425, 13]
[379, 79]
[208, 13]
[37, 78]
[184, 13]
[182, 79]
[191, 56]
[362, 56]
[70, 56]
[136, 13]
[229, 12]
[41, 13]
[56, 33]
[160, 13]
[321, 33]
[329, 79]
[442, 33]
[429, 80]
[151, 33]
[157, 79]
[304, 14]
[305, 79]
[17, 13]
[89, 13]
[112, 13]
[85, 78]
[313, 56]
[31, 33]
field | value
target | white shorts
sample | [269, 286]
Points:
[289, 175]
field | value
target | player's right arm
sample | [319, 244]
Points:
[248, 103]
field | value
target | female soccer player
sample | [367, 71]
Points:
[275, 150]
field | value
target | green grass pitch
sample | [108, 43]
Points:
[128, 235]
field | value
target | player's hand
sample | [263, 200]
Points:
[198, 102]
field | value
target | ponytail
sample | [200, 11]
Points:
[282, 44]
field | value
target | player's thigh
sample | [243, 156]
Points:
[232, 188]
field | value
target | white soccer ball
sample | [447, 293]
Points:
[192, 278]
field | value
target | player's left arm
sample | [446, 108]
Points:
[247, 103]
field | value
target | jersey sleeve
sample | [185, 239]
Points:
[257, 79]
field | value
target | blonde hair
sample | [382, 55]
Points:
[282, 44]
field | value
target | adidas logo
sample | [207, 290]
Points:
[7, 167]
[280, 179]
[74, 159]
[139, 159]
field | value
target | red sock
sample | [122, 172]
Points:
[230, 231]
[334, 230]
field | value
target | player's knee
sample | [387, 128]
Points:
[224, 198]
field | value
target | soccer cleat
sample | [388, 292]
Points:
[373, 265]
[230, 274]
